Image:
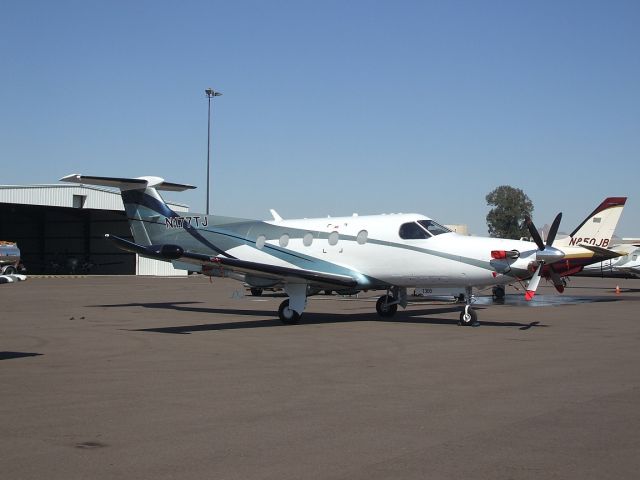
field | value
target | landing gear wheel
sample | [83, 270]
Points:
[498, 292]
[385, 308]
[9, 271]
[256, 292]
[287, 315]
[468, 317]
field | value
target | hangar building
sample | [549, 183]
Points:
[60, 230]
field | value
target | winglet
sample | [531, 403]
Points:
[528, 296]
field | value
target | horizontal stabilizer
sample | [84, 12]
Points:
[602, 252]
[127, 183]
[159, 252]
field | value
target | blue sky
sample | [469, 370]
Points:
[331, 107]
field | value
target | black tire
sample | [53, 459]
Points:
[9, 271]
[256, 292]
[470, 319]
[385, 310]
[498, 292]
[288, 316]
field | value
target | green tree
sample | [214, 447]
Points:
[506, 218]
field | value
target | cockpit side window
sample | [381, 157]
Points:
[434, 228]
[411, 231]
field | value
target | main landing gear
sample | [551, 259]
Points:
[387, 305]
[498, 292]
[468, 316]
[287, 315]
[291, 309]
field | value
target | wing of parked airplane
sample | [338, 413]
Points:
[285, 274]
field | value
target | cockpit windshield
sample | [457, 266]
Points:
[411, 231]
[434, 228]
[421, 229]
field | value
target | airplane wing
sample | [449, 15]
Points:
[284, 273]
[175, 252]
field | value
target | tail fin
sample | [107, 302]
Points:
[146, 211]
[597, 229]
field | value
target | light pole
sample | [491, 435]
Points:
[209, 92]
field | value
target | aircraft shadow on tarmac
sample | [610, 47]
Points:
[12, 355]
[309, 318]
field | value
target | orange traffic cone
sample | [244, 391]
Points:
[617, 289]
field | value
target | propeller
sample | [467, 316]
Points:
[545, 254]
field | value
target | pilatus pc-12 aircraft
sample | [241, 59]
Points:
[378, 252]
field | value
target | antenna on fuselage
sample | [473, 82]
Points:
[276, 217]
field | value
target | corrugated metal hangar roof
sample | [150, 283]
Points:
[71, 196]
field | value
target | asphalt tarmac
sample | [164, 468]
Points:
[157, 378]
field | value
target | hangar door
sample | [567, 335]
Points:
[64, 241]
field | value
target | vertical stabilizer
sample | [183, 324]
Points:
[147, 212]
[597, 229]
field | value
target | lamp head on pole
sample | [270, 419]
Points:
[210, 92]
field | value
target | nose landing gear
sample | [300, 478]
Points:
[468, 316]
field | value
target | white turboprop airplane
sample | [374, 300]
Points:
[377, 252]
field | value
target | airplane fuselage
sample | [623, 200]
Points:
[369, 248]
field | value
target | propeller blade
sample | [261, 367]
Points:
[534, 232]
[555, 278]
[533, 284]
[554, 229]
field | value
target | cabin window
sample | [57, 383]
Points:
[333, 238]
[362, 237]
[307, 240]
[260, 242]
[412, 231]
[434, 228]
[284, 240]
